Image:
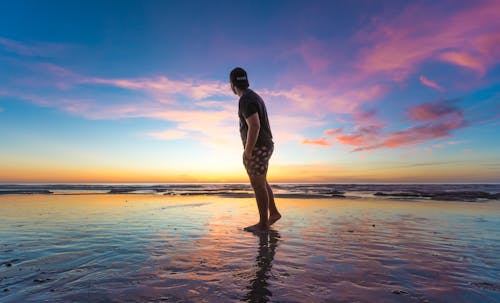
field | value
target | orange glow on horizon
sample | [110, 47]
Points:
[305, 173]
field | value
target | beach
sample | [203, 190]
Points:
[150, 247]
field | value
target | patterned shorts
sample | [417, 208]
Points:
[258, 164]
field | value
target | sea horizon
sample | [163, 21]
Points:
[403, 191]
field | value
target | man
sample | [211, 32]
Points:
[258, 143]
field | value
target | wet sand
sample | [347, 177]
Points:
[156, 248]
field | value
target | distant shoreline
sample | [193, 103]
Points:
[440, 192]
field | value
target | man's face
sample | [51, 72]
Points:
[233, 89]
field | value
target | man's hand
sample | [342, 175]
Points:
[253, 123]
[247, 154]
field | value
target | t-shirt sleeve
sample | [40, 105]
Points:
[248, 108]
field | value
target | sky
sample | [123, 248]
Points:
[356, 91]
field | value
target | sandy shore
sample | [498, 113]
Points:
[151, 248]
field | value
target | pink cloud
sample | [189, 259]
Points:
[314, 54]
[440, 119]
[324, 100]
[431, 84]
[415, 135]
[321, 142]
[288, 127]
[365, 116]
[161, 88]
[332, 132]
[489, 46]
[466, 36]
[364, 135]
[354, 139]
[369, 129]
[464, 59]
[192, 88]
[210, 117]
[434, 110]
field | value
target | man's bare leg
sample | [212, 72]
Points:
[259, 185]
[274, 214]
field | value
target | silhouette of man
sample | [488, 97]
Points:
[258, 146]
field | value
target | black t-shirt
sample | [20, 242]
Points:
[249, 104]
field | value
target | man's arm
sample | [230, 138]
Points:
[253, 123]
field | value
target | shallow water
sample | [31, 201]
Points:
[152, 248]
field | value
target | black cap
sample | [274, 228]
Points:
[239, 78]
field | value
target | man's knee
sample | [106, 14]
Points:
[258, 182]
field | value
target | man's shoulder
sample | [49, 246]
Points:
[250, 96]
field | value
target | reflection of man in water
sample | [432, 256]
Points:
[257, 140]
[258, 289]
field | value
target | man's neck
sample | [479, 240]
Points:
[242, 92]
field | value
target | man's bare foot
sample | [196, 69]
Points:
[274, 218]
[257, 228]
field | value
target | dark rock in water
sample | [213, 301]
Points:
[120, 190]
[5, 289]
[462, 196]
[235, 195]
[334, 192]
[379, 193]
[442, 195]
[399, 292]
[300, 196]
[9, 262]
[411, 195]
[486, 285]
[24, 191]
[338, 196]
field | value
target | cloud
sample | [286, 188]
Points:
[358, 139]
[415, 135]
[199, 108]
[431, 84]
[161, 85]
[489, 46]
[35, 49]
[466, 36]
[467, 60]
[321, 142]
[434, 110]
[170, 134]
[202, 110]
[323, 100]
[448, 143]
[332, 132]
[438, 120]
[314, 54]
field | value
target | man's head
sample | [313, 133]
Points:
[239, 80]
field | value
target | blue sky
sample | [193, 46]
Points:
[357, 91]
